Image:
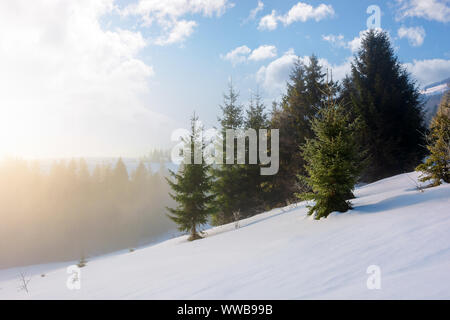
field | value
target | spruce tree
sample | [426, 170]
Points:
[333, 161]
[306, 92]
[381, 92]
[256, 119]
[192, 187]
[437, 166]
[228, 185]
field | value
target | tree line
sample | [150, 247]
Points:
[73, 212]
[333, 135]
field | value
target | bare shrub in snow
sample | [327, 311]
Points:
[237, 218]
[418, 186]
[82, 263]
[24, 281]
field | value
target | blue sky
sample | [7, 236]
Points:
[115, 78]
[196, 69]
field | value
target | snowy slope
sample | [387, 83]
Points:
[281, 254]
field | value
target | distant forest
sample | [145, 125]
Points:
[71, 212]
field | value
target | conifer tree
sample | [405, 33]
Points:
[381, 92]
[437, 166]
[228, 184]
[333, 161]
[256, 119]
[304, 98]
[192, 187]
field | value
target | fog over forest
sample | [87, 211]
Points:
[69, 209]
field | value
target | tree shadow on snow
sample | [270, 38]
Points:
[402, 201]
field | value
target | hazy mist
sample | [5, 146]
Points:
[68, 210]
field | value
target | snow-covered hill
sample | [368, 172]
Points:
[282, 254]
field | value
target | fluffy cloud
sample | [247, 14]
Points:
[244, 53]
[438, 10]
[168, 15]
[263, 53]
[70, 87]
[274, 76]
[304, 12]
[415, 35]
[268, 22]
[355, 44]
[237, 55]
[301, 12]
[429, 71]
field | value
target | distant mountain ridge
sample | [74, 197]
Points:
[436, 84]
[432, 96]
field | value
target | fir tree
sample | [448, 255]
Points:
[192, 187]
[437, 166]
[228, 184]
[304, 98]
[256, 119]
[381, 92]
[333, 161]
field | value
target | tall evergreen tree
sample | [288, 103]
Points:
[383, 95]
[333, 161]
[256, 116]
[192, 187]
[437, 166]
[228, 184]
[256, 119]
[306, 92]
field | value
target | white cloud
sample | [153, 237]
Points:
[268, 22]
[415, 35]
[438, 10]
[300, 12]
[243, 54]
[181, 30]
[275, 75]
[340, 42]
[304, 12]
[168, 15]
[355, 44]
[238, 55]
[429, 71]
[263, 52]
[254, 12]
[335, 40]
[70, 87]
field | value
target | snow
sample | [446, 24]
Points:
[282, 254]
[435, 90]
